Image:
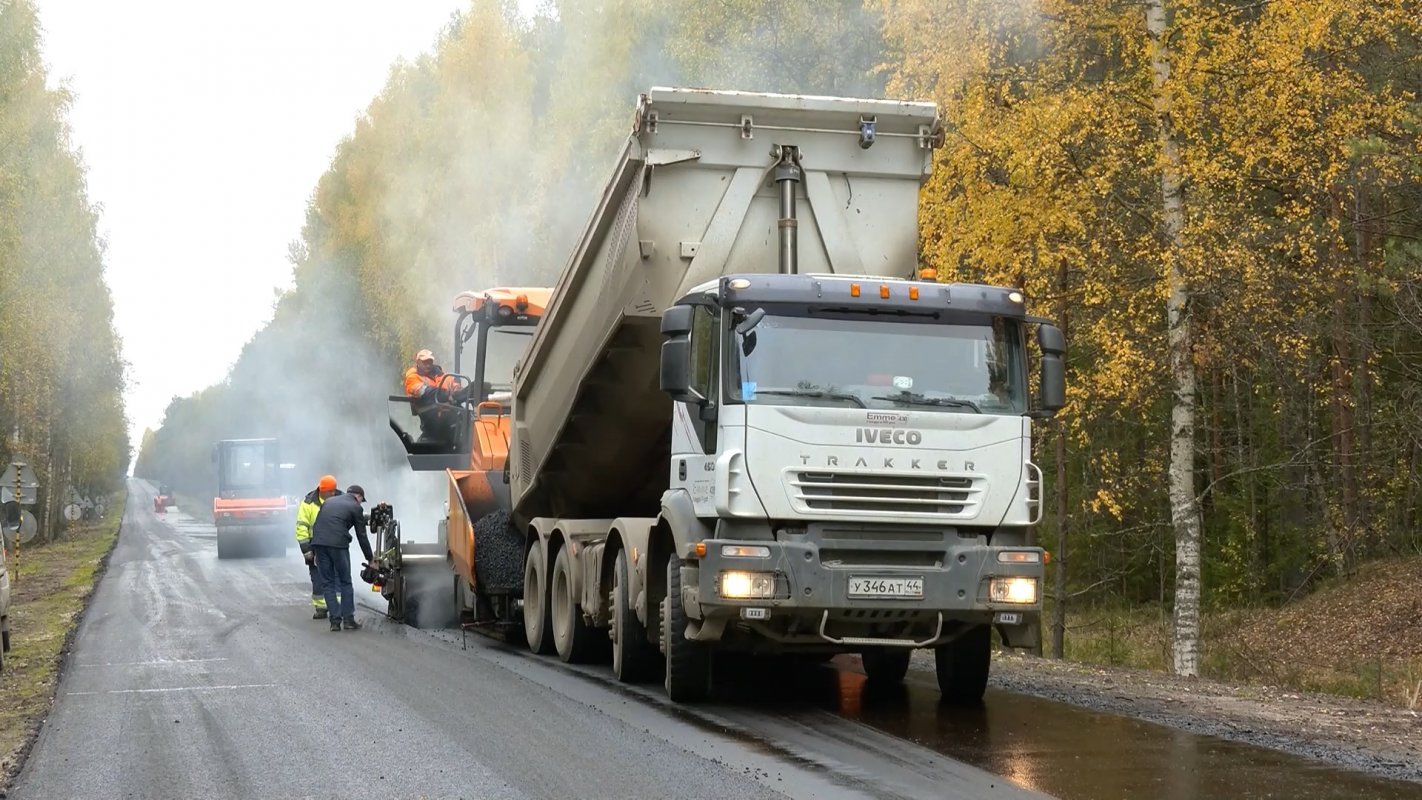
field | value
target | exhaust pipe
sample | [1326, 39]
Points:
[787, 174]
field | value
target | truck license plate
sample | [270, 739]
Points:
[886, 587]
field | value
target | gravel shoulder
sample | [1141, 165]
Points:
[1369, 736]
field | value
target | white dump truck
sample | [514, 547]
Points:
[747, 421]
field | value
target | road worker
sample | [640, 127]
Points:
[305, 518]
[331, 540]
[433, 391]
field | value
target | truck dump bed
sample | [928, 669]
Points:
[694, 196]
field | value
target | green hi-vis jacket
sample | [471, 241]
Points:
[306, 517]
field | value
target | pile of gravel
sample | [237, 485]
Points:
[498, 554]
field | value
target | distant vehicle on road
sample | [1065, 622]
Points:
[163, 500]
[251, 510]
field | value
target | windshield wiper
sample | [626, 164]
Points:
[912, 398]
[815, 393]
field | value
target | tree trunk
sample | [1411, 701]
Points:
[1341, 386]
[1184, 513]
[1364, 235]
[1409, 503]
[1059, 581]
[1246, 455]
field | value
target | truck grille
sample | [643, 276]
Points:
[946, 495]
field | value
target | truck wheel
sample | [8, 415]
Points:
[631, 655]
[572, 637]
[537, 626]
[886, 665]
[688, 674]
[225, 546]
[963, 666]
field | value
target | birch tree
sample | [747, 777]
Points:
[1184, 515]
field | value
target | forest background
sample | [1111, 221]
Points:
[1221, 203]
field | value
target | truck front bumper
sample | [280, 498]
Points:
[786, 593]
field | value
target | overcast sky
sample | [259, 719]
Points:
[204, 127]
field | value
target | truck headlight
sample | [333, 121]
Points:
[744, 551]
[1022, 591]
[739, 585]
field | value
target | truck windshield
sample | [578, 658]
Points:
[505, 347]
[827, 361]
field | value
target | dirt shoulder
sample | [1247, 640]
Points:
[50, 593]
[1370, 736]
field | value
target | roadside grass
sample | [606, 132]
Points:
[1307, 646]
[49, 590]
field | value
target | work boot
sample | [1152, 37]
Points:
[335, 623]
[320, 614]
[351, 625]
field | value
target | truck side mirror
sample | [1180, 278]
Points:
[676, 321]
[676, 355]
[1053, 368]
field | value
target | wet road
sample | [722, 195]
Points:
[1072, 753]
[192, 677]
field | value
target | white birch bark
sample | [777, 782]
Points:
[1184, 516]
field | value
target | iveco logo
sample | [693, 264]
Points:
[887, 436]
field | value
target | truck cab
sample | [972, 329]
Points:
[851, 462]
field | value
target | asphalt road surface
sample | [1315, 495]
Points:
[193, 677]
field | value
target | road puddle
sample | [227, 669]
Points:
[1062, 750]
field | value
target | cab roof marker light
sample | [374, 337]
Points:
[913, 292]
[853, 290]
[1015, 297]
[884, 291]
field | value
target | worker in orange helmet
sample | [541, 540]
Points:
[433, 392]
[305, 518]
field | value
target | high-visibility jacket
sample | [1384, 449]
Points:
[306, 517]
[422, 387]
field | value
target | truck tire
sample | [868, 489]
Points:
[886, 665]
[573, 638]
[226, 548]
[631, 655]
[963, 666]
[537, 624]
[688, 673]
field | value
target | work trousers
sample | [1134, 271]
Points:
[334, 564]
[318, 590]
